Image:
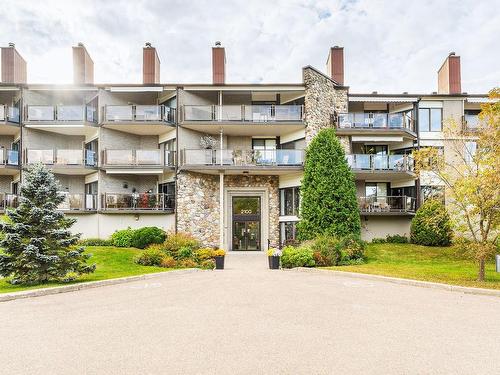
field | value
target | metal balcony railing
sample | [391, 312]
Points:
[387, 204]
[139, 158]
[86, 158]
[8, 200]
[9, 157]
[244, 113]
[78, 202]
[354, 120]
[138, 201]
[8, 113]
[139, 113]
[243, 157]
[60, 113]
[367, 162]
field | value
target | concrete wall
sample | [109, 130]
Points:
[380, 226]
[42, 140]
[113, 183]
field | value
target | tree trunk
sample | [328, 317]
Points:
[481, 270]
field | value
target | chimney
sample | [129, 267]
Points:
[13, 65]
[150, 65]
[218, 64]
[83, 66]
[449, 80]
[335, 64]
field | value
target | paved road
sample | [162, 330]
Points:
[251, 320]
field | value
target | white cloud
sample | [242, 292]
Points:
[390, 46]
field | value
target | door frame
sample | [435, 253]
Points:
[255, 218]
[229, 193]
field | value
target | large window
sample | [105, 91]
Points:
[289, 201]
[168, 189]
[430, 119]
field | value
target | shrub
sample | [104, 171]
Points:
[150, 257]
[95, 242]
[122, 238]
[328, 192]
[297, 257]
[326, 251]
[397, 238]
[187, 263]
[431, 225]
[168, 262]
[352, 248]
[145, 236]
[184, 253]
[204, 254]
[379, 240]
[208, 264]
[175, 241]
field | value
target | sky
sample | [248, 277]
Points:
[389, 46]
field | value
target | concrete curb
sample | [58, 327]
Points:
[411, 282]
[89, 285]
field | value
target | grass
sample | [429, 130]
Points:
[111, 263]
[437, 264]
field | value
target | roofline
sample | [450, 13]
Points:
[324, 75]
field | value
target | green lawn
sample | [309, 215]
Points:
[111, 262]
[437, 264]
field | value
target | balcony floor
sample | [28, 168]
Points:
[239, 170]
[383, 175]
[387, 213]
[66, 128]
[377, 131]
[9, 170]
[8, 128]
[137, 169]
[76, 170]
[114, 211]
[244, 128]
[140, 128]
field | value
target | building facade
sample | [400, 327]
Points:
[221, 161]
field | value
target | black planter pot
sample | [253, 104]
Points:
[274, 262]
[219, 263]
[270, 260]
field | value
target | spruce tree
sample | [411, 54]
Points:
[37, 246]
[328, 192]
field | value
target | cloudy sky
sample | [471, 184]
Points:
[390, 46]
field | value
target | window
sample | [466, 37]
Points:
[288, 231]
[430, 119]
[91, 195]
[299, 144]
[168, 189]
[470, 151]
[432, 192]
[375, 149]
[289, 201]
[376, 189]
[264, 144]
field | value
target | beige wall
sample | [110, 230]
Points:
[380, 226]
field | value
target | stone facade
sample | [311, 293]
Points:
[198, 204]
[322, 98]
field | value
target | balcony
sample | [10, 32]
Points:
[383, 166]
[60, 113]
[470, 123]
[141, 160]
[9, 162]
[138, 202]
[8, 200]
[233, 118]
[9, 115]
[78, 203]
[362, 123]
[387, 205]
[257, 161]
[79, 162]
[134, 118]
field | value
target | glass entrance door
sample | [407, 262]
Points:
[246, 223]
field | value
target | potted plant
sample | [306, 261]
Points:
[273, 256]
[219, 255]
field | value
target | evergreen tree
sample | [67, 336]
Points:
[36, 243]
[328, 192]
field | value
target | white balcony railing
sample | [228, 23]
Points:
[138, 201]
[139, 113]
[362, 120]
[9, 157]
[387, 204]
[66, 157]
[78, 202]
[60, 113]
[367, 162]
[243, 157]
[244, 113]
[139, 158]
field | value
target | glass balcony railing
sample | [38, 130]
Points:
[139, 158]
[64, 157]
[139, 113]
[386, 204]
[3, 114]
[243, 157]
[10, 157]
[367, 162]
[138, 201]
[78, 202]
[375, 121]
[244, 113]
[470, 122]
[61, 113]
[8, 200]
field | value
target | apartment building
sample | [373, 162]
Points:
[222, 161]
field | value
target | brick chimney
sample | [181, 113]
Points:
[335, 64]
[13, 65]
[150, 65]
[83, 66]
[449, 79]
[218, 64]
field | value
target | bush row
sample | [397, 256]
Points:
[139, 238]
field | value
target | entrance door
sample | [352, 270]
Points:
[246, 223]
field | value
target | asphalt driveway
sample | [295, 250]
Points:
[251, 320]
